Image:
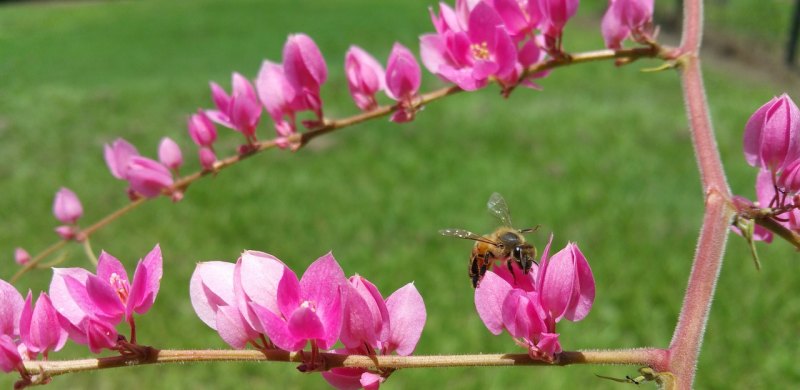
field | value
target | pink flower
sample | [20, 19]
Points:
[555, 14]
[771, 135]
[10, 309]
[310, 309]
[305, 69]
[566, 284]
[469, 58]
[256, 277]
[403, 78]
[448, 19]
[520, 18]
[83, 327]
[789, 180]
[21, 256]
[211, 291]
[39, 326]
[93, 304]
[10, 358]
[624, 18]
[240, 110]
[169, 153]
[67, 207]
[395, 326]
[117, 156]
[147, 177]
[279, 97]
[201, 129]
[529, 305]
[365, 77]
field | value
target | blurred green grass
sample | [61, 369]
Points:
[602, 156]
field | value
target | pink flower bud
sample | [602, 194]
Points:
[790, 178]
[147, 177]
[240, 110]
[67, 207]
[403, 77]
[201, 129]
[304, 64]
[169, 153]
[624, 17]
[117, 155]
[771, 138]
[21, 256]
[207, 158]
[66, 232]
[556, 13]
[365, 77]
[278, 96]
[566, 284]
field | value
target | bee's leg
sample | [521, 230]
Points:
[474, 272]
[511, 269]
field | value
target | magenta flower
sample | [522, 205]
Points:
[520, 18]
[147, 177]
[310, 310]
[67, 207]
[202, 130]
[448, 19]
[109, 296]
[240, 110]
[627, 18]
[771, 138]
[403, 78]
[529, 305]
[397, 325]
[39, 326]
[555, 14]
[365, 77]
[169, 153]
[256, 277]
[117, 156]
[21, 256]
[279, 97]
[789, 180]
[305, 69]
[213, 299]
[10, 358]
[470, 57]
[83, 327]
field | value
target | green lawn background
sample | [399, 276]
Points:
[601, 156]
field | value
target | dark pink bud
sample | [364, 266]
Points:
[201, 129]
[169, 153]
[624, 17]
[39, 326]
[556, 13]
[117, 155]
[147, 177]
[303, 63]
[207, 158]
[771, 138]
[403, 77]
[365, 77]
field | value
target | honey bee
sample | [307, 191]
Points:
[505, 244]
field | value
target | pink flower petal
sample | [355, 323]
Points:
[232, 327]
[277, 330]
[105, 300]
[344, 378]
[108, 266]
[256, 277]
[66, 206]
[211, 286]
[117, 156]
[323, 284]
[407, 313]
[10, 309]
[288, 293]
[61, 294]
[489, 298]
[10, 359]
[305, 323]
[358, 326]
[578, 309]
[146, 282]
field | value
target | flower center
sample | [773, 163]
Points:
[121, 286]
[480, 51]
[309, 305]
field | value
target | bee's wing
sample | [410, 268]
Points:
[498, 207]
[466, 234]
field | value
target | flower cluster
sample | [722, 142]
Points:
[628, 19]
[146, 177]
[479, 41]
[81, 306]
[260, 301]
[528, 305]
[772, 144]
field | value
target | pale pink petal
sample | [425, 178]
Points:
[60, 294]
[232, 327]
[489, 297]
[10, 309]
[169, 153]
[211, 286]
[255, 279]
[407, 313]
[358, 326]
[117, 155]
[371, 381]
[21, 256]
